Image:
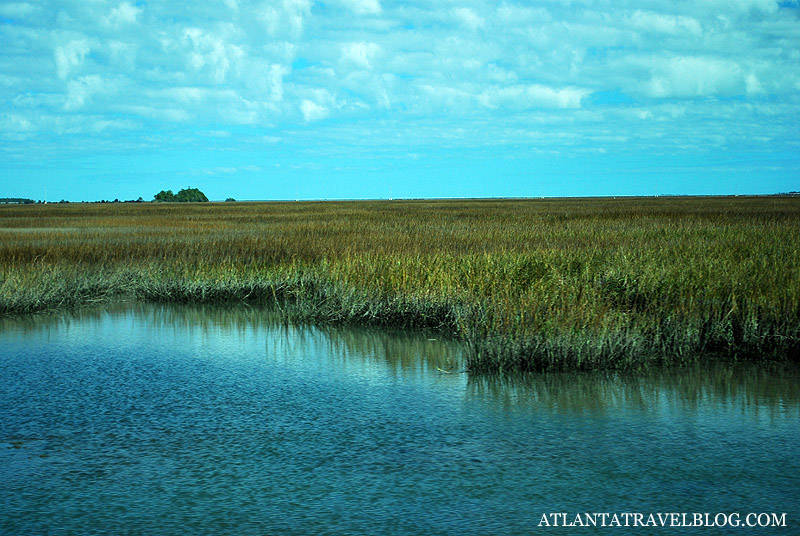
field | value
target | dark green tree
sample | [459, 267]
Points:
[164, 196]
[191, 195]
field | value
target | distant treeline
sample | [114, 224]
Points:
[187, 195]
[17, 200]
[20, 201]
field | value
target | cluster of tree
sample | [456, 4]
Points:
[187, 195]
[18, 200]
[140, 200]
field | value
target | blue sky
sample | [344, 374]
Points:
[374, 98]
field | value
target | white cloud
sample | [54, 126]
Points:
[753, 85]
[498, 74]
[499, 71]
[313, 111]
[9, 81]
[661, 23]
[15, 127]
[227, 170]
[532, 96]
[748, 6]
[275, 81]
[162, 112]
[212, 54]
[122, 53]
[287, 19]
[694, 77]
[212, 105]
[360, 54]
[568, 97]
[83, 89]
[16, 10]
[124, 13]
[363, 7]
[113, 125]
[468, 18]
[512, 14]
[443, 98]
[70, 56]
[181, 94]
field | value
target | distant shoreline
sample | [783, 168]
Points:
[524, 198]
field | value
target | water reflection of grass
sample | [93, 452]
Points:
[742, 386]
[545, 284]
[402, 350]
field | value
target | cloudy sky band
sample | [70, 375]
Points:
[362, 85]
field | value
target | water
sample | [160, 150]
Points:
[181, 420]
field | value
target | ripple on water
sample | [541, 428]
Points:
[176, 420]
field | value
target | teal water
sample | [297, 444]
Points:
[187, 420]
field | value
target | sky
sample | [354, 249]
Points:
[376, 99]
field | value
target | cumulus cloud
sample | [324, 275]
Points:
[360, 54]
[124, 13]
[70, 55]
[313, 111]
[287, 19]
[211, 53]
[468, 18]
[695, 77]
[477, 56]
[274, 80]
[503, 72]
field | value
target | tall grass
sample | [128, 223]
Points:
[529, 284]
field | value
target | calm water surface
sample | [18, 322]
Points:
[182, 420]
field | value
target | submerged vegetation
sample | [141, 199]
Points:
[528, 284]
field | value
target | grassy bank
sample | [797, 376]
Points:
[534, 284]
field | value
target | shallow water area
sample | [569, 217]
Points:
[146, 419]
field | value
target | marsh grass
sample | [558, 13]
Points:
[529, 284]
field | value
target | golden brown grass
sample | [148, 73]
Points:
[530, 284]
